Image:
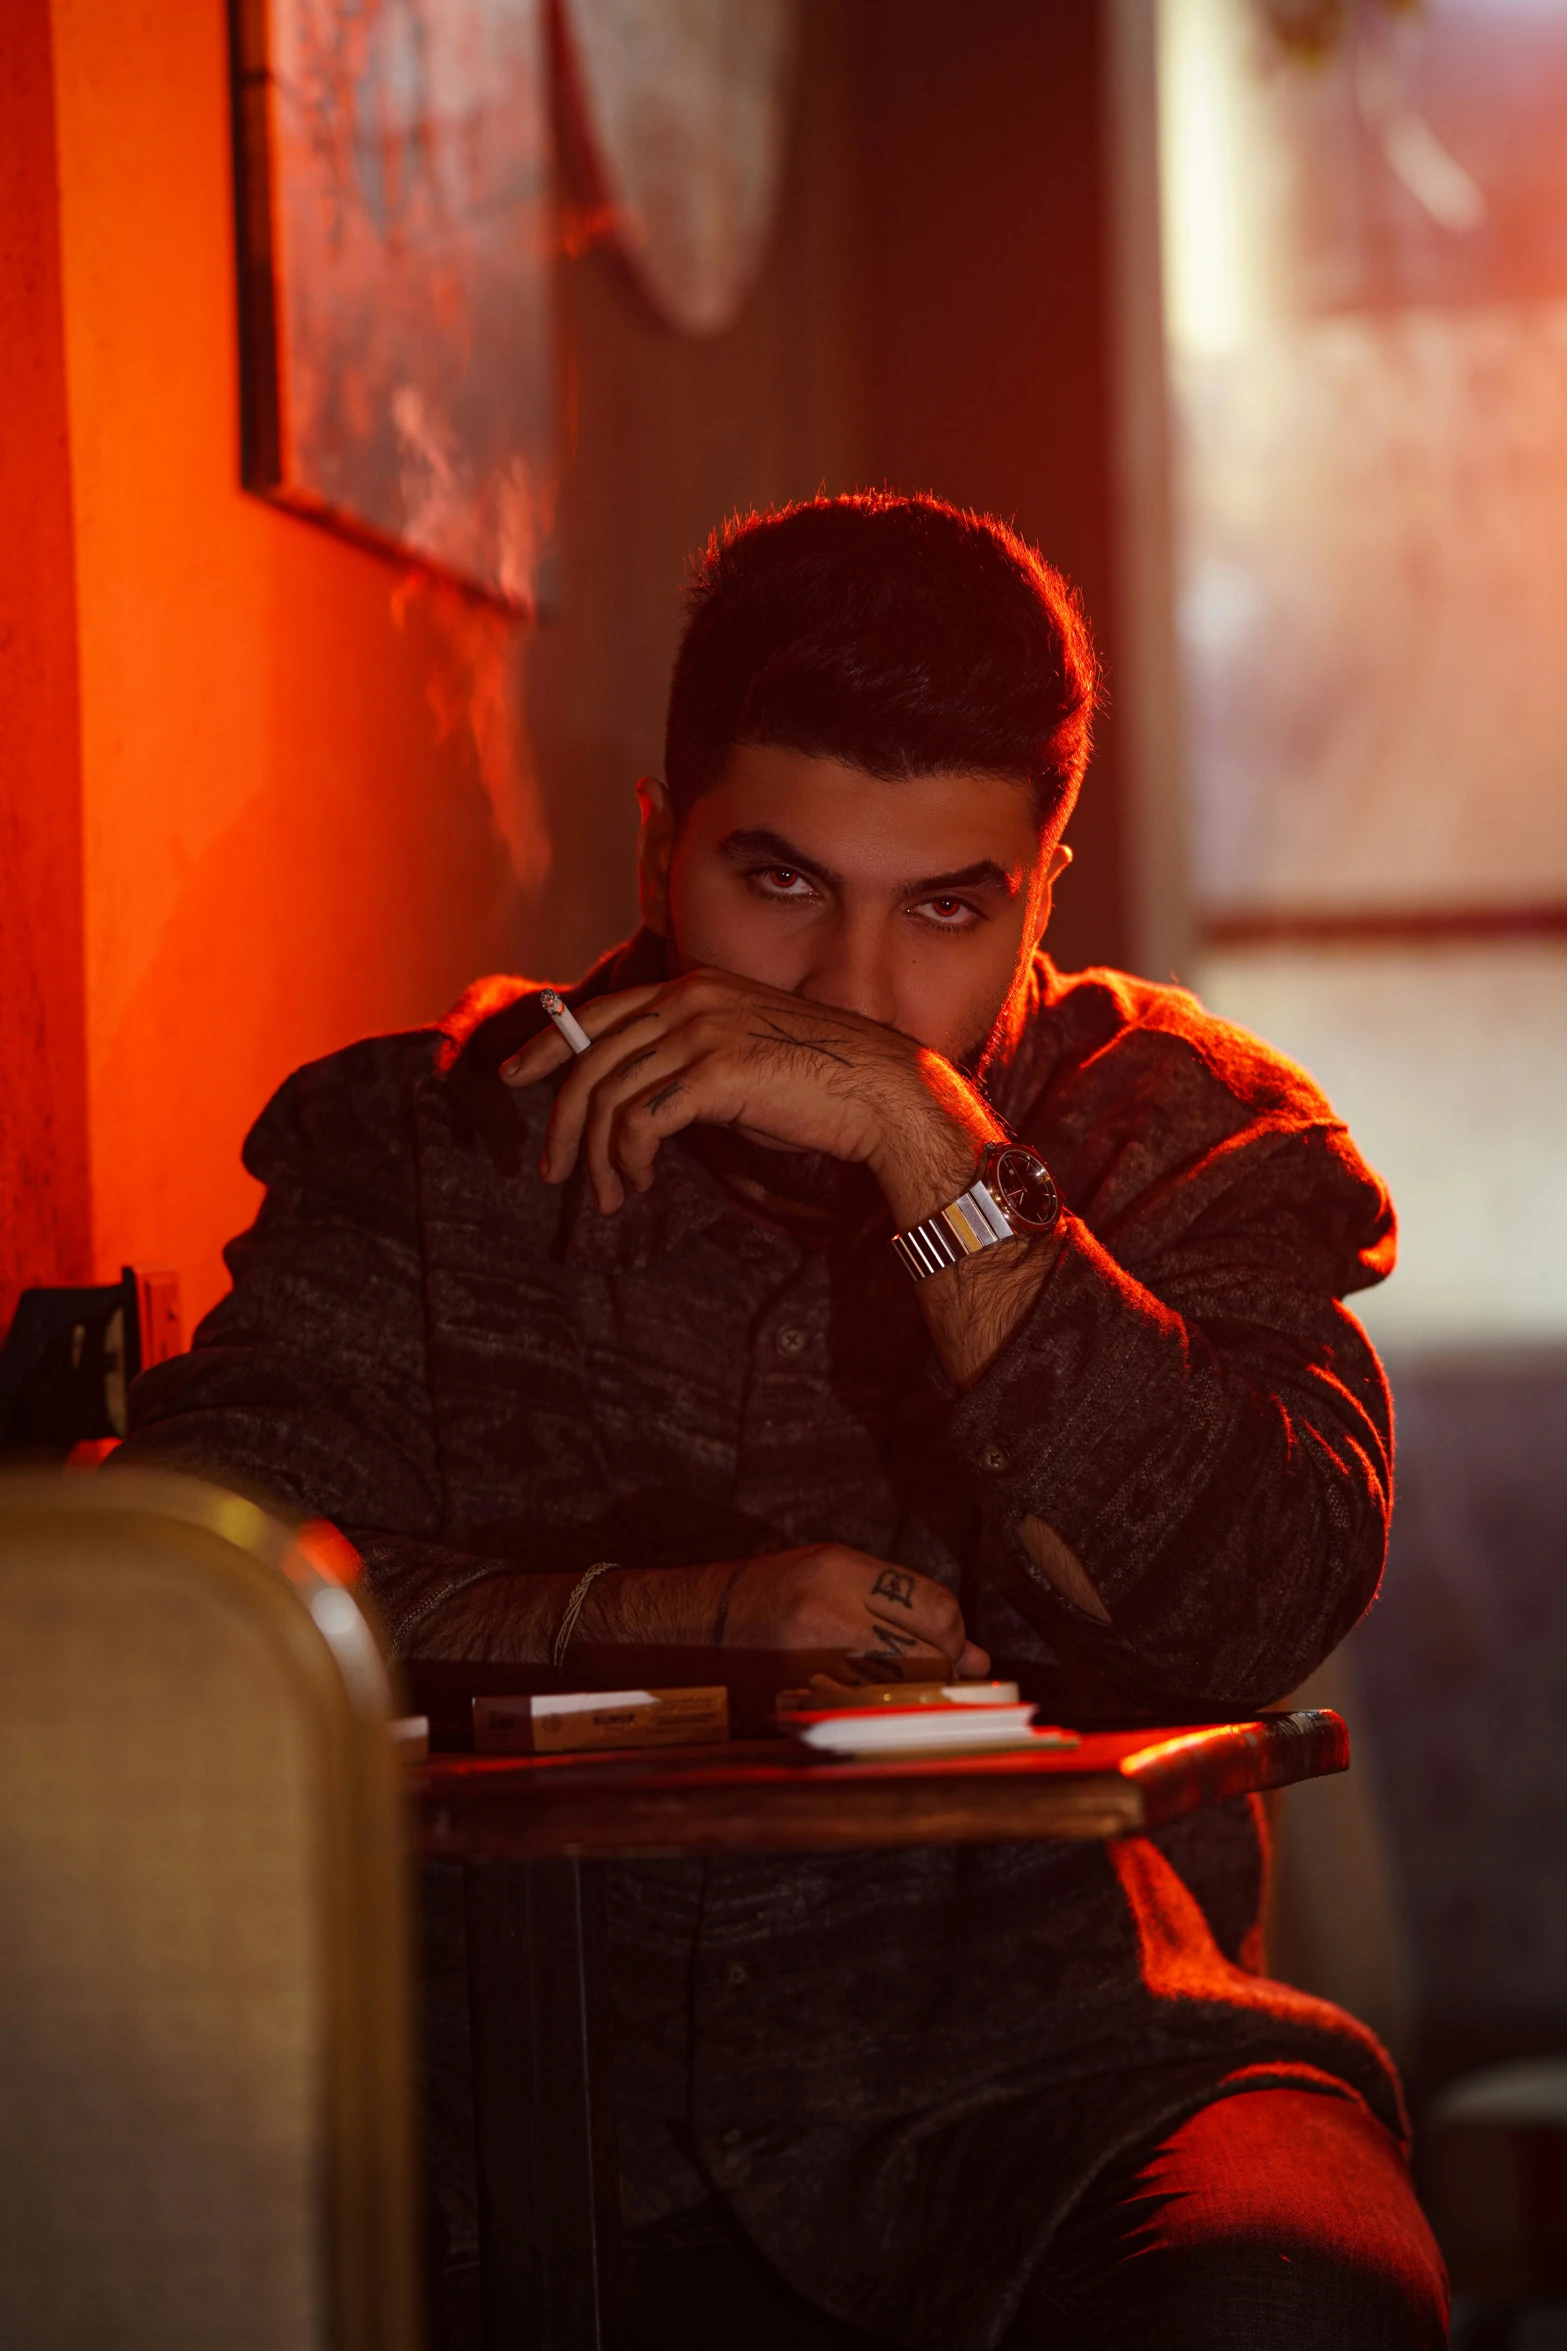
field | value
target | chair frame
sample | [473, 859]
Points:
[295, 1582]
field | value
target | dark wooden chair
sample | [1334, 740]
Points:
[71, 1354]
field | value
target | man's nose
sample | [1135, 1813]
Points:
[852, 971]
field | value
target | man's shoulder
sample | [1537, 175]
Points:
[348, 1108]
[1155, 1114]
[359, 1107]
[1114, 1035]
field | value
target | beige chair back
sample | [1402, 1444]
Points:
[204, 2129]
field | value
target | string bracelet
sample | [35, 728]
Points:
[574, 1606]
[721, 1619]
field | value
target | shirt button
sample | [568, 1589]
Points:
[739, 1975]
[792, 1340]
[995, 1460]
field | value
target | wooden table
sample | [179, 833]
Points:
[529, 1831]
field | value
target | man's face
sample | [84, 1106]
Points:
[917, 902]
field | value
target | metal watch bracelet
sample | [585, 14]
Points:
[971, 1222]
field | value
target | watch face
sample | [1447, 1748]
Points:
[1025, 1187]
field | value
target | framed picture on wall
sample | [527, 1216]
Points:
[394, 227]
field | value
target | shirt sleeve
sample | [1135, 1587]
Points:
[1193, 1410]
[308, 1382]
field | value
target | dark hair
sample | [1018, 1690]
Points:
[895, 633]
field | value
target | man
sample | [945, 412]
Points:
[616, 1351]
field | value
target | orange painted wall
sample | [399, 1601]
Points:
[44, 1209]
[319, 795]
[287, 836]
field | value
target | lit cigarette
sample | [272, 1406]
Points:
[565, 1020]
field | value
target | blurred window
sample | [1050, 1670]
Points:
[1365, 232]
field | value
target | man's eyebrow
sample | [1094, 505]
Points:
[757, 841]
[983, 874]
[760, 841]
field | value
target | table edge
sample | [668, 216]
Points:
[826, 1808]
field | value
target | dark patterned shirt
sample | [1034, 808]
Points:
[897, 2068]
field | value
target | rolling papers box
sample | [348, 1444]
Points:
[581, 1720]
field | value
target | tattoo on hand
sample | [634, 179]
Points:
[773, 1034]
[893, 1641]
[894, 1584]
[877, 1669]
[665, 1095]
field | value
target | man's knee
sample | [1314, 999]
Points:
[1275, 2220]
[1254, 2297]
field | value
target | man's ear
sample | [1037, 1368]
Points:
[655, 847]
[1060, 859]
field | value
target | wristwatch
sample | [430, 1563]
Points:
[1013, 1193]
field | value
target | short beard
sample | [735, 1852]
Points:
[807, 1193]
[803, 1190]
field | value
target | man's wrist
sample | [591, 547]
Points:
[931, 1137]
[661, 1607]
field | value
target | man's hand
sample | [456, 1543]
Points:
[713, 1048]
[830, 1606]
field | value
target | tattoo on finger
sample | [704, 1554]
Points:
[665, 1095]
[893, 1641]
[894, 1583]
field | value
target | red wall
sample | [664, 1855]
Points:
[288, 839]
[44, 1213]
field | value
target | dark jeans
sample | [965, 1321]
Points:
[1275, 2220]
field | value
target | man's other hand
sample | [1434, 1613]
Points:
[714, 1048]
[829, 1604]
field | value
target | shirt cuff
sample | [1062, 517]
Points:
[1090, 1381]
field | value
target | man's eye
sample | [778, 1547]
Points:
[782, 881]
[949, 914]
